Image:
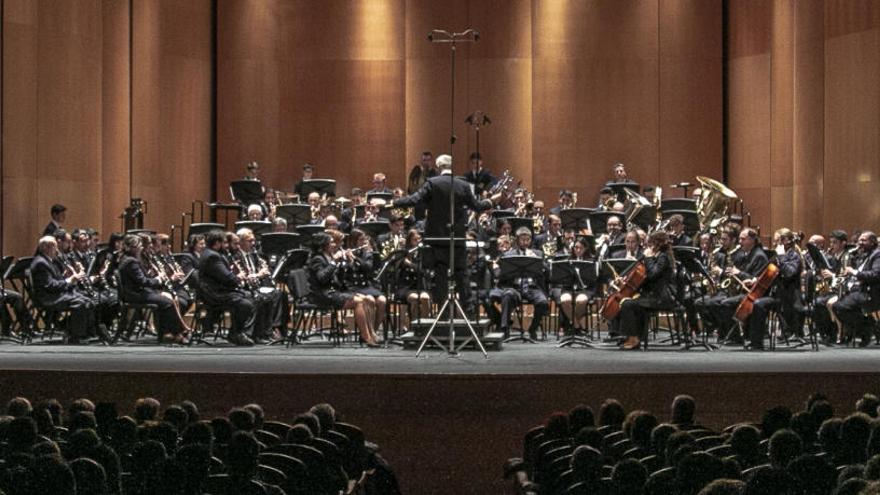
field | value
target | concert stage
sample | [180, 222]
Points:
[446, 424]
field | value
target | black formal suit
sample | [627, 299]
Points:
[682, 240]
[52, 291]
[821, 315]
[50, 229]
[435, 194]
[12, 299]
[852, 309]
[417, 177]
[511, 292]
[482, 179]
[656, 293]
[267, 299]
[136, 287]
[218, 286]
[784, 295]
[323, 282]
[751, 265]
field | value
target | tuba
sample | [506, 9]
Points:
[637, 204]
[714, 203]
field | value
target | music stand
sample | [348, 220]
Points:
[689, 257]
[292, 260]
[307, 231]
[321, 186]
[645, 218]
[140, 231]
[691, 220]
[276, 244]
[577, 276]
[295, 214]
[621, 267]
[246, 192]
[620, 187]
[518, 266]
[374, 229]
[517, 222]
[575, 218]
[678, 204]
[226, 207]
[498, 214]
[599, 220]
[451, 303]
[258, 227]
[616, 249]
[384, 196]
[204, 228]
[820, 261]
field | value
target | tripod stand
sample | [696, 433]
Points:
[452, 304]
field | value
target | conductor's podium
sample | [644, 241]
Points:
[419, 328]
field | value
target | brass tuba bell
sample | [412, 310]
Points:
[714, 203]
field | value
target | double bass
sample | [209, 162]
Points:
[762, 285]
[628, 289]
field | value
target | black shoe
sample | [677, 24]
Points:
[103, 334]
[754, 347]
[261, 340]
[240, 340]
[533, 334]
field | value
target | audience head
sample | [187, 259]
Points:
[299, 434]
[241, 455]
[611, 413]
[54, 476]
[579, 417]
[587, 462]
[724, 487]
[326, 415]
[868, 405]
[813, 475]
[775, 419]
[257, 411]
[683, 409]
[638, 426]
[556, 426]
[590, 436]
[18, 407]
[199, 432]
[242, 420]
[222, 429]
[697, 470]
[146, 409]
[854, 435]
[21, 434]
[310, 420]
[745, 441]
[176, 416]
[629, 476]
[784, 446]
[769, 481]
[659, 435]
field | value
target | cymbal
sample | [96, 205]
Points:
[717, 186]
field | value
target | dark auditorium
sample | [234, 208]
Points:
[439, 247]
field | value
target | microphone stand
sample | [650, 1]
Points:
[452, 303]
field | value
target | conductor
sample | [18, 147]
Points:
[435, 195]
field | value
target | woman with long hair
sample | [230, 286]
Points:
[655, 292]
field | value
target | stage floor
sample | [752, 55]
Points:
[515, 359]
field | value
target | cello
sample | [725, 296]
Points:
[631, 283]
[762, 285]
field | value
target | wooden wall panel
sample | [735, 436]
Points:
[171, 120]
[116, 114]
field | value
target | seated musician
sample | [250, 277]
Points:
[783, 295]
[394, 238]
[863, 297]
[614, 235]
[268, 301]
[747, 263]
[838, 259]
[219, 287]
[412, 279]
[58, 290]
[173, 270]
[716, 262]
[511, 292]
[677, 235]
[371, 211]
[656, 292]
[252, 171]
[551, 241]
[379, 184]
[136, 287]
[324, 273]
[566, 201]
[254, 213]
[606, 199]
[421, 172]
[632, 247]
[279, 224]
[308, 170]
[360, 274]
[314, 202]
[573, 301]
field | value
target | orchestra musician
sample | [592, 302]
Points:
[512, 292]
[606, 199]
[480, 177]
[136, 287]
[308, 170]
[574, 314]
[218, 286]
[632, 247]
[421, 172]
[324, 280]
[58, 290]
[677, 235]
[864, 293]
[838, 259]
[379, 184]
[614, 235]
[748, 264]
[656, 291]
[59, 214]
[550, 241]
[268, 300]
[566, 201]
[361, 272]
[412, 280]
[716, 263]
[784, 294]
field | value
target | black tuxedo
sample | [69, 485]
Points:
[510, 293]
[52, 291]
[136, 287]
[656, 293]
[268, 301]
[851, 309]
[50, 229]
[784, 295]
[218, 286]
[481, 179]
[435, 194]
[722, 308]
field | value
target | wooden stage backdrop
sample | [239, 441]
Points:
[166, 100]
